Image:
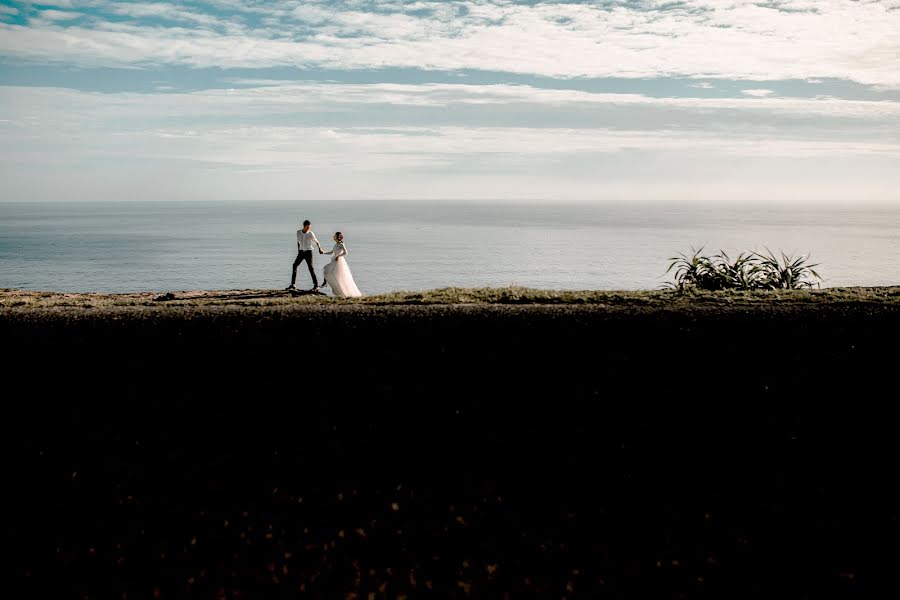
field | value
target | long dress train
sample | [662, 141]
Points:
[337, 273]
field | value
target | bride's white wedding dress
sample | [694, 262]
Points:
[337, 273]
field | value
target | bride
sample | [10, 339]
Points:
[337, 273]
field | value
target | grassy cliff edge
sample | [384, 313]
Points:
[24, 299]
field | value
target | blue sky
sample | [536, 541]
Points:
[708, 100]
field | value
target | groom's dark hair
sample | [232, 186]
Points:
[305, 223]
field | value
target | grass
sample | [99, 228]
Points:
[13, 300]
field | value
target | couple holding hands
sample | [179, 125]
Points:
[336, 274]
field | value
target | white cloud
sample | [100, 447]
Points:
[446, 140]
[759, 93]
[275, 98]
[373, 149]
[791, 39]
[240, 127]
[62, 3]
[288, 95]
[53, 17]
[8, 10]
[163, 10]
[703, 85]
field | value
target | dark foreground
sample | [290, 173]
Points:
[348, 451]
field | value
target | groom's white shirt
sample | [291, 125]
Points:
[306, 240]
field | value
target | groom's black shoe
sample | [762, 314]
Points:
[289, 288]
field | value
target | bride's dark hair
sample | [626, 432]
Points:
[338, 236]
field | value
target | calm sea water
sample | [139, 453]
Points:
[121, 247]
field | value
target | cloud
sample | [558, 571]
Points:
[57, 16]
[64, 3]
[704, 85]
[164, 11]
[441, 119]
[757, 93]
[287, 95]
[738, 39]
[391, 105]
[450, 163]
[8, 10]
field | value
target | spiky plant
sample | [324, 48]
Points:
[740, 273]
[787, 272]
[689, 270]
[746, 271]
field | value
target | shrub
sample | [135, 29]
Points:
[746, 271]
[788, 273]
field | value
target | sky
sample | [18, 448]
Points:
[781, 101]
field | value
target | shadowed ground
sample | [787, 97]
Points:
[453, 443]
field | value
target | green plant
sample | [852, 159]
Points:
[746, 271]
[787, 272]
[690, 271]
[741, 273]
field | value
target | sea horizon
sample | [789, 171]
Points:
[138, 246]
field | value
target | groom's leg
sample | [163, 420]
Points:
[312, 272]
[297, 262]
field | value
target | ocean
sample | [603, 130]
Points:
[171, 246]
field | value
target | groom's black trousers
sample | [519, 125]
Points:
[301, 256]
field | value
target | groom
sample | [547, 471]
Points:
[305, 239]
